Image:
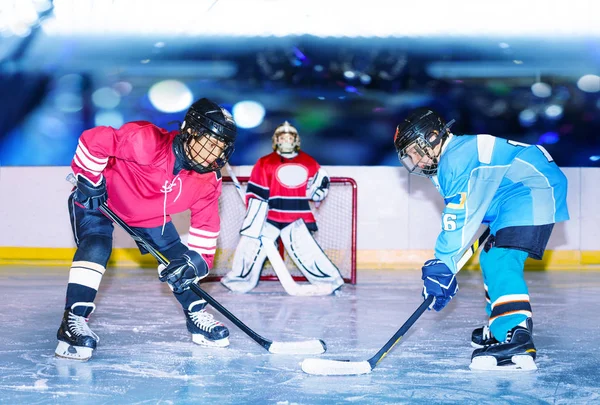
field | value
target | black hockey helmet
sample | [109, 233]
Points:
[417, 137]
[206, 138]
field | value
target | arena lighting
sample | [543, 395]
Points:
[541, 89]
[170, 96]
[18, 16]
[527, 117]
[248, 114]
[549, 138]
[494, 69]
[110, 118]
[589, 83]
[554, 111]
[513, 18]
[106, 97]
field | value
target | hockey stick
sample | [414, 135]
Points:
[313, 346]
[346, 367]
[285, 278]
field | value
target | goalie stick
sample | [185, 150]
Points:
[347, 367]
[285, 278]
[314, 346]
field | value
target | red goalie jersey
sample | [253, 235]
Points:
[282, 182]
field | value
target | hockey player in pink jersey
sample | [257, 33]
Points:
[145, 174]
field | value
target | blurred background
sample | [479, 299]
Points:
[344, 73]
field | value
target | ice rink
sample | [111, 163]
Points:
[145, 355]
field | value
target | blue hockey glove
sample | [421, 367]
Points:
[183, 271]
[439, 281]
[88, 194]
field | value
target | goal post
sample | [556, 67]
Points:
[336, 220]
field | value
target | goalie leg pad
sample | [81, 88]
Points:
[308, 255]
[247, 265]
[255, 218]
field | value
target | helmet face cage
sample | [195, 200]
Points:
[417, 152]
[286, 147]
[416, 138]
[204, 151]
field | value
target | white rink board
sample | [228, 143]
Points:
[395, 211]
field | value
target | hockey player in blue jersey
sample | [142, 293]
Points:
[514, 188]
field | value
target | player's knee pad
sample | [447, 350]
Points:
[308, 255]
[503, 271]
[501, 260]
[87, 223]
[95, 249]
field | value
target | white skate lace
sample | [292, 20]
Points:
[204, 320]
[78, 326]
[508, 337]
[486, 333]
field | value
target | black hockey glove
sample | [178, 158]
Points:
[88, 194]
[183, 271]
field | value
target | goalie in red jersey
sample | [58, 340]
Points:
[277, 198]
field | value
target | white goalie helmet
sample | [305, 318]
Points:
[286, 144]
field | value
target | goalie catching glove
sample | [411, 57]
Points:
[183, 271]
[439, 281]
[318, 186]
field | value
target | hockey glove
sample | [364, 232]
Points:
[439, 281]
[88, 194]
[183, 271]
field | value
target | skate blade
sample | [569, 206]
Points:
[488, 363]
[202, 341]
[66, 351]
[476, 346]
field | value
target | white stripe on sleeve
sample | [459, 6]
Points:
[87, 163]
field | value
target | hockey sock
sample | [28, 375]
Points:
[186, 298]
[503, 269]
[84, 280]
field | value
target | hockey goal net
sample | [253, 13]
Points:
[336, 219]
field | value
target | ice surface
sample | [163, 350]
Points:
[145, 355]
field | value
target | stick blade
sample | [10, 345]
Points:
[335, 367]
[305, 347]
[309, 290]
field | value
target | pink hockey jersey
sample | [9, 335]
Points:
[137, 161]
[282, 182]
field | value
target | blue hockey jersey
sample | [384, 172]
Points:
[490, 180]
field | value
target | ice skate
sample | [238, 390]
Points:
[205, 330]
[75, 338]
[482, 337]
[517, 352]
